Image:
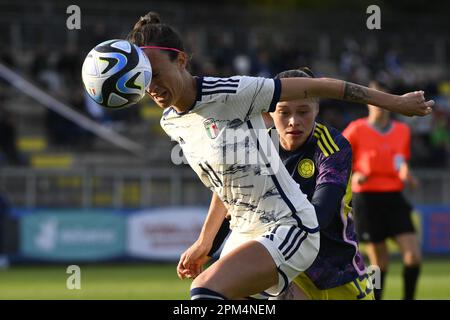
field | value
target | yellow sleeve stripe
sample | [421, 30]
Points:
[348, 197]
[324, 141]
[324, 151]
[325, 129]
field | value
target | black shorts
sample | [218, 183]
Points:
[381, 215]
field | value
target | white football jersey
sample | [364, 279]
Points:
[224, 139]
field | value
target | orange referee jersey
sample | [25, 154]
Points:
[378, 155]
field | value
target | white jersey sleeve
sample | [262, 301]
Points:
[253, 96]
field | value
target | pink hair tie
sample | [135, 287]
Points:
[161, 48]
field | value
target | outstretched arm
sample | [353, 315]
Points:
[410, 104]
[192, 260]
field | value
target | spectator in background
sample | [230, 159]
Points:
[392, 62]
[9, 154]
[261, 67]
[242, 64]
[380, 171]
[222, 52]
[440, 138]
[99, 35]
[39, 61]
[69, 66]
[62, 132]
[350, 58]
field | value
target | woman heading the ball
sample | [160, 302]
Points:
[218, 124]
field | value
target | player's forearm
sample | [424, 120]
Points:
[357, 93]
[302, 88]
[213, 221]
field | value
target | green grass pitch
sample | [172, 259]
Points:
[159, 281]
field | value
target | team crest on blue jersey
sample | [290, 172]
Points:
[212, 130]
[306, 168]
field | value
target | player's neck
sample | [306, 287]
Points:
[380, 122]
[187, 100]
[290, 146]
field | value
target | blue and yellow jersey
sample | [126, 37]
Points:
[322, 167]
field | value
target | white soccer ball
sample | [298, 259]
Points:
[116, 73]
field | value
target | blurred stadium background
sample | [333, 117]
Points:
[102, 192]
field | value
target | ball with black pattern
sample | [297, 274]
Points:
[116, 73]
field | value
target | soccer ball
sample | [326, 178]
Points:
[116, 73]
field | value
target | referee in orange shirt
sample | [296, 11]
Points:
[381, 148]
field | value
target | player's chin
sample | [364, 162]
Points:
[162, 104]
[295, 140]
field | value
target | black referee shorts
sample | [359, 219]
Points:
[381, 215]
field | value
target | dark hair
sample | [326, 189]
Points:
[149, 30]
[303, 72]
